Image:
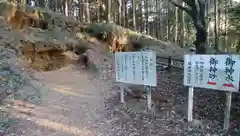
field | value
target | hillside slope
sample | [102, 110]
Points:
[69, 32]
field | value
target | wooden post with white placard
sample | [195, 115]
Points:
[137, 68]
[219, 72]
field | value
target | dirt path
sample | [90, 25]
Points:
[73, 106]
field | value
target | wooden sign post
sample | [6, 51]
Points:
[219, 72]
[149, 98]
[190, 103]
[121, 94]
[136, 68]
[227, 110]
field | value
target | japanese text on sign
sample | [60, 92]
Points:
[136, 68]
[219, 72]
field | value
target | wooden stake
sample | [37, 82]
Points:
[149, 98]
[227, 110]
[122, 93]
[190, 103]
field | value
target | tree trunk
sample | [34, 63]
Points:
[114, 17]
[141, 22]
[57, 6]
[176, 26]
[208, 26]
[197, 13]
[134, 14]
[109, 7]
[156, 20]
[146, 16]
[102, 12]
[47, 4]
[182, 28]
[66, 7]
[168, 20]
[80, 17]
[124, 13]
[98, 10]
[81, 11]
[226, 25]
[52, 5]
[160, 21]
[201, 39]
[120, 12]
[216, 46]
[87, 11]
[198, 16]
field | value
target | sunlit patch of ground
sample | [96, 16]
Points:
[68, 91]
[71, 107]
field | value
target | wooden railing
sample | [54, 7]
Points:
[169, 63]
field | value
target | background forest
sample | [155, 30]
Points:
[166, 20]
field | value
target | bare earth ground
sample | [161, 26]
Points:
[72, 105]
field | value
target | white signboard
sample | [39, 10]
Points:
[219, 72]
[136, 68]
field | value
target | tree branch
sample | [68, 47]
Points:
[189, 2]
[187, 10]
